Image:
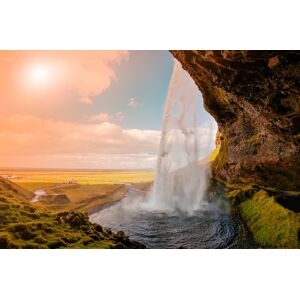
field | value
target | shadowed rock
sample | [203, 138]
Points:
[254, 97]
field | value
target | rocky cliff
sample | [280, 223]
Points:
[254, 97]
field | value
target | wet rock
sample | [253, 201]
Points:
[75, 219]
[273, 62]
[136, 245]
[121, 234]
[108, 231]
[98, 227]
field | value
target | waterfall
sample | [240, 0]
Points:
[180, 179]
[182, 171]
[176, 213]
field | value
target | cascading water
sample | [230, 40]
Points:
[175, 213]
[180, 180]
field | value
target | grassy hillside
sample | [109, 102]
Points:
[80, 197]
[25, 225]
[271, 224]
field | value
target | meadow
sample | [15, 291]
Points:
[78, 190]
[79, 176]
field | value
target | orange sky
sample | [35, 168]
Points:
[87, 72]
[83, 109]
[33, 82]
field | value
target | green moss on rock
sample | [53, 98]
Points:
[271, 225]
[221, 159]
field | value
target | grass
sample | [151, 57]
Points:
[47, 177]
[84, 197]
[55, 224]
[25, 225]
[91, 189]
[271, 225]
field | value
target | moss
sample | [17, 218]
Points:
[240, 194]
[40, 240]
[24, 225]
[222, 157]
[56, 243]
[252, 139]
[7, 241]
[272, 225]
[214, 154]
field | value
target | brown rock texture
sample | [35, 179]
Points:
[254, 97]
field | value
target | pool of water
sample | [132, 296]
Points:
[210, 228]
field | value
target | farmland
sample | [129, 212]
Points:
[80, 190]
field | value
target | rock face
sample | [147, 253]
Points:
[254, 97]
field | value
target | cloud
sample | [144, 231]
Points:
[78, 75]
[92, 73]
[86, 100]
[104, 117]
[133, 103]
[119, 116]
[30, 141]
[101, 117]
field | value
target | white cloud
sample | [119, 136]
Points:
[99, 118]
[119, 116]
[91, 72]
[33, 142]
[133, 103]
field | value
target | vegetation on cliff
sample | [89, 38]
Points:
[271, 224]
[24, 225]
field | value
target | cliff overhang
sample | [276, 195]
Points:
[254, 97]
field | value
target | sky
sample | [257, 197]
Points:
[82, 109]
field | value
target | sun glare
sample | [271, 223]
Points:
[40, 74]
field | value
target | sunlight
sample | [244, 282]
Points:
[40, 74]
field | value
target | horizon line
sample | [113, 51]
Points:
[72, 169]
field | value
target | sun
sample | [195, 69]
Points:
[40, 74]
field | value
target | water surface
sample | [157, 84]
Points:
[209, 228]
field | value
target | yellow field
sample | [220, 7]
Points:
[48, 177]
[85, 190]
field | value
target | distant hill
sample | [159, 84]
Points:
[25, 225]
[8, 187]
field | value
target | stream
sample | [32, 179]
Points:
[38, 194]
